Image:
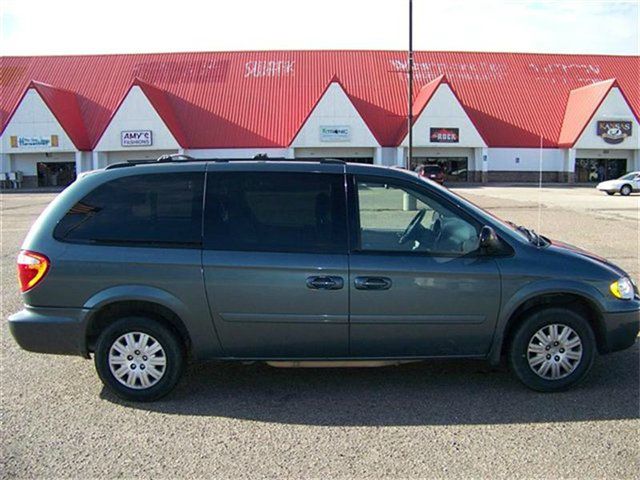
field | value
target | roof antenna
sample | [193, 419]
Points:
[540, 186]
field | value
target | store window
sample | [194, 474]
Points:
[594, 170]
[455, 168]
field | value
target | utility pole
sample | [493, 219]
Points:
[410, 93]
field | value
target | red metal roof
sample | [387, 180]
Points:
[260, 99]
[581, 107]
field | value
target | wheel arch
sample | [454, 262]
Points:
[110, 305]
[574, 299]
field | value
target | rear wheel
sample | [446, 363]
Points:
[625, 190]
[139, 358]
[552, 349]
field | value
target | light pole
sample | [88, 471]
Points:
[410, 90]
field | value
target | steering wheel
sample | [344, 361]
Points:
[410, 230]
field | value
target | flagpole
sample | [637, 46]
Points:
[410, 92]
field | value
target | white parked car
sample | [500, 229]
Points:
[626, 184]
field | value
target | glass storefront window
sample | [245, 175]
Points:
[594, 170]
[455, 168]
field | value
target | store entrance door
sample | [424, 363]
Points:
[596, 170]
[56, 174]
[455, 168]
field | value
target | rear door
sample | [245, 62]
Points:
[275, 260]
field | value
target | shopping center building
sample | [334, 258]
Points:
[485, 117]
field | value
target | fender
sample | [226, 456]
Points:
[204, 339]
[536, 289]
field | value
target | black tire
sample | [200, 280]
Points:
[172, 351]
[518, 352]
[611, 193]
[625, 190]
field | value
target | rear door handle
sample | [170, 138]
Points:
[372, 283]
[327, 282]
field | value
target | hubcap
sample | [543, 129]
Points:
[137, 360]
[554, 351]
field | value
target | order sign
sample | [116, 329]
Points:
[136, 138]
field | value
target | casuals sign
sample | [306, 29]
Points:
[136, 138]
[614, 131]
[444, 135]
[34, 141]
[335, 133]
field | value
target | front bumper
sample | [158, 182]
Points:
[50, 330]
[621, 330]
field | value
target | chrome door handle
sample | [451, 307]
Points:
[372, 283]
[325, 283]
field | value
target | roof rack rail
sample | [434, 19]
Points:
[176, 158]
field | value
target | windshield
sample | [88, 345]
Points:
[628, 176]
[431, 168]
[522, 232]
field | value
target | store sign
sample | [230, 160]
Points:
[136, 138]
[614, 131]
[444, 135]
[335, 133]
[34, 141]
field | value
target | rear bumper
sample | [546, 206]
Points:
[50, 330]
[621, 330]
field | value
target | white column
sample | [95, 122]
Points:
[377, 156]
[5, 162]
[635, 162]
[570, 164]
[290, 153]
[484, 156]
[98, 160]
[400, 156]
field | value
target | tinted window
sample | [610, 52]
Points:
[276, 212]
[156, 209]
[397, 218]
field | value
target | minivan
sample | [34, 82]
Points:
[146, 267]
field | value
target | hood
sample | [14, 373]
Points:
[610, 183]
[578, 252]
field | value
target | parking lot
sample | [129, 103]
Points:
[455, 419]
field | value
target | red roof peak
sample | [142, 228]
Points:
[65, 107]
[582, 105]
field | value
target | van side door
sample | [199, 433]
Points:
[419, 287]
[275, 260]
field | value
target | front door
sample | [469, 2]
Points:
[418, 285]
[275, 262]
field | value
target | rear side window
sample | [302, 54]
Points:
[147, 210]
[276, 212]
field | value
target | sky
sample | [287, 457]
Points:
[64, 27]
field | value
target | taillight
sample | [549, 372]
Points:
[32, 267]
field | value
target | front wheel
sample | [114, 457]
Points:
[552, 349]
[610, 193]
[139, 359]
[625, 190]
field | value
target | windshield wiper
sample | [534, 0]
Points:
[531, 235]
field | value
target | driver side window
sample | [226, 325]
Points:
[395, 218]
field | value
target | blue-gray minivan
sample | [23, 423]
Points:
[148, 266]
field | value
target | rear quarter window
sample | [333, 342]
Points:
[147, 210]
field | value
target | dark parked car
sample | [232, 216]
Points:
[432, 172]
[148, 266]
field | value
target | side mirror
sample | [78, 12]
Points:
[489, 241]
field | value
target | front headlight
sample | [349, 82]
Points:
[622, 289]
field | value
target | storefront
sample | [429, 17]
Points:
[443, 134]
